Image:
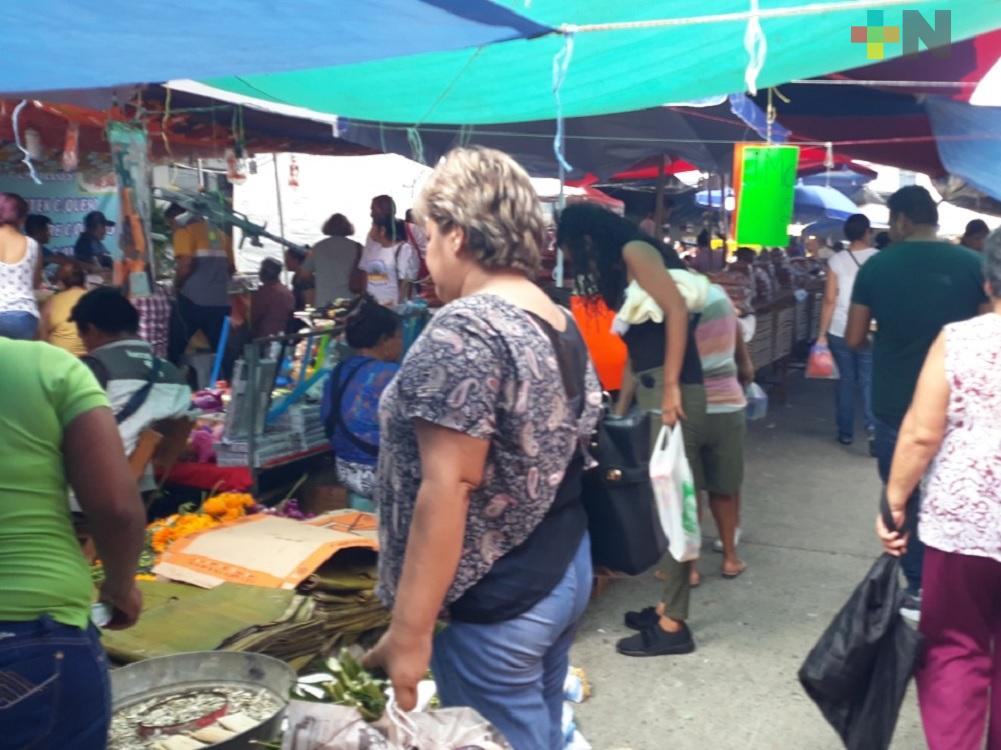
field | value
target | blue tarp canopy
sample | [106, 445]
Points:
[65, 44]
[968, 141]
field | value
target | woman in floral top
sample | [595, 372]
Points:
[478, 482]
[953, 431]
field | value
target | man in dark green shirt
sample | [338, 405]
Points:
[911, 289]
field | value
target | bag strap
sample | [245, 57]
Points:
[852, 256]
[338, 396]
[138, 398]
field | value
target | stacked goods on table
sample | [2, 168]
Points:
[738, 282]
[343, 591]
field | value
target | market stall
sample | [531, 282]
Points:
[779, 300]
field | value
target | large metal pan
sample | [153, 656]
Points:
[169, 674]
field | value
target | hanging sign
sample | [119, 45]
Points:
[764, 182]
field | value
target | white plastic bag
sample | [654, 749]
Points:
[757, 402]
[674, 489]
[325, 726]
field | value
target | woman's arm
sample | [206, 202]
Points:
[647, 267]
[745, 365]
[358, 279]
[109, 497]
[452, 466]
[830, 300]
[920, 438]
[627, 391]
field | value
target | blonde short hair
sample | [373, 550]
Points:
[490, 197]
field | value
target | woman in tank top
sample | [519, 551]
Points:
[20, 271]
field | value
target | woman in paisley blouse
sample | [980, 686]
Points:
[478, 483]
[953, 432]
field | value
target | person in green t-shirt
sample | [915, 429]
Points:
[56, 431]
[912, 289]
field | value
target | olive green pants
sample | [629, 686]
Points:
[649, 397]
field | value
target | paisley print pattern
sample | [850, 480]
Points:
[961, 501]
[483, 367]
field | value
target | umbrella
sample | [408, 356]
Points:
[814, 201]
[822, 201]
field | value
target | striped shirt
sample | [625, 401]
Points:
[716, 338]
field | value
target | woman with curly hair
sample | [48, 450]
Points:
[480, 466]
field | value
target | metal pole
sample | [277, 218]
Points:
[658, 211]
[278, 194]
[251, 357]
[726, 221]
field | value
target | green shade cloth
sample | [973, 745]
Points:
[611, 71]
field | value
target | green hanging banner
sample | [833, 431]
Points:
[764, 183]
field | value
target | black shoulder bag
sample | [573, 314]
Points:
[138, 398]
[626, 534]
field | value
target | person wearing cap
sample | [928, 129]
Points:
[204, 255]
[89, 248]
[975, 235]
[272, 305]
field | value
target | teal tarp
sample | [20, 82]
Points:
[610, 71]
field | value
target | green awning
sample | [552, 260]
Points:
[616, 70]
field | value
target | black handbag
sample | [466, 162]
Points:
[626, 535]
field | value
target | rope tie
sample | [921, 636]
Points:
[17, 140]
[561, 64]
[757, 48]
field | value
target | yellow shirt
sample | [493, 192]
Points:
[212, 250]
[62, 332]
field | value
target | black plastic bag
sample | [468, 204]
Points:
[626, 535]
[858, 672]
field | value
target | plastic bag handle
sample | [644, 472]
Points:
[403, 723]
[884, 509]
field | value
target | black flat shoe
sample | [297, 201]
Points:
[642, 620]
[656, 641]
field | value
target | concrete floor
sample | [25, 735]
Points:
[809, 510]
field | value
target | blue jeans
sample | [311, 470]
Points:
[913, 560]
[513, 672]
[856, 373]
[54, 687]
[18, 325]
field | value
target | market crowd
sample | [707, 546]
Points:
[473, 449]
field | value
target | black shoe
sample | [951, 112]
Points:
[872, 447]
[642, 620]
[656, 641]
[845, 441]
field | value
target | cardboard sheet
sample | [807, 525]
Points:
[267, 551]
